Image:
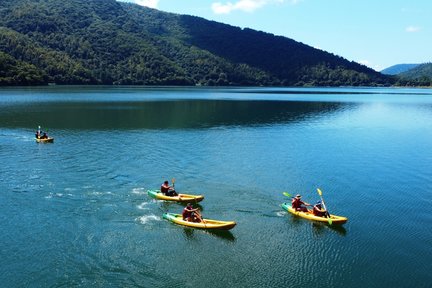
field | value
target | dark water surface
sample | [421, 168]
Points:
[75, 213]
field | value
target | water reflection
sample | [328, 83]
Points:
[222, 234]
[171, 114]
[189, 234]
[322, 228]
[336, 91]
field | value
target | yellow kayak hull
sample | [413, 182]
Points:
[183, 198]
[45, 140]
[310, 216]
[206, 224]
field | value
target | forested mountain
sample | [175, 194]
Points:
[420, 75]
[398, 68]
[109, 42]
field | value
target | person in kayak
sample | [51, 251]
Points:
[38, 132]
[44, 136]
[318, 210]
[190, 214]
[167, 189]
[297, 204]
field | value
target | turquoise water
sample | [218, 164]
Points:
[76, 214]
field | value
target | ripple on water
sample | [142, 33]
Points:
[281, 213]
[145, 219]
[143, 206]
[98, 193]
[139, 191]
[58, 195]
[368, 169]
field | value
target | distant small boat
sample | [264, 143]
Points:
[156, 194]
[205, 224]
[45, 140]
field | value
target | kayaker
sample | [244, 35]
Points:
[190, 214]
[318, 210]
[38, 132]
[297, 204]
[44, 136]
[167, 189]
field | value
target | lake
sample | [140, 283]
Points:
[75, 213]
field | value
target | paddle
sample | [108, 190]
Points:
[325, 207]
[199, 216]
[173, 186]
[286, 194]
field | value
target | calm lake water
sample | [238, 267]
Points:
[75, 213]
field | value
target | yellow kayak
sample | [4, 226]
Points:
[309, 215]
[206, 224]
[45, 140]
[184, 198]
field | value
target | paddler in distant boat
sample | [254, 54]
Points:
[297, 204]
[190, 214]
[318, 210]
[38, 132]
[168, 190]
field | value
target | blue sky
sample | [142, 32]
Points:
[377, 33]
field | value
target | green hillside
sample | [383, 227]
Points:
[398, 68]
[421, 75]
[109, 42]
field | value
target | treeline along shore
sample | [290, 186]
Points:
[115, 43]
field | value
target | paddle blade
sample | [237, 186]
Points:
[173, 180]
[286, 194]
[319, 191]
[329, 219]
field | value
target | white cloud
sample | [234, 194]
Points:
[147, 3]
[245, 5]
[364, 62]
[370, 65]
[220, 8]
[412, 29]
